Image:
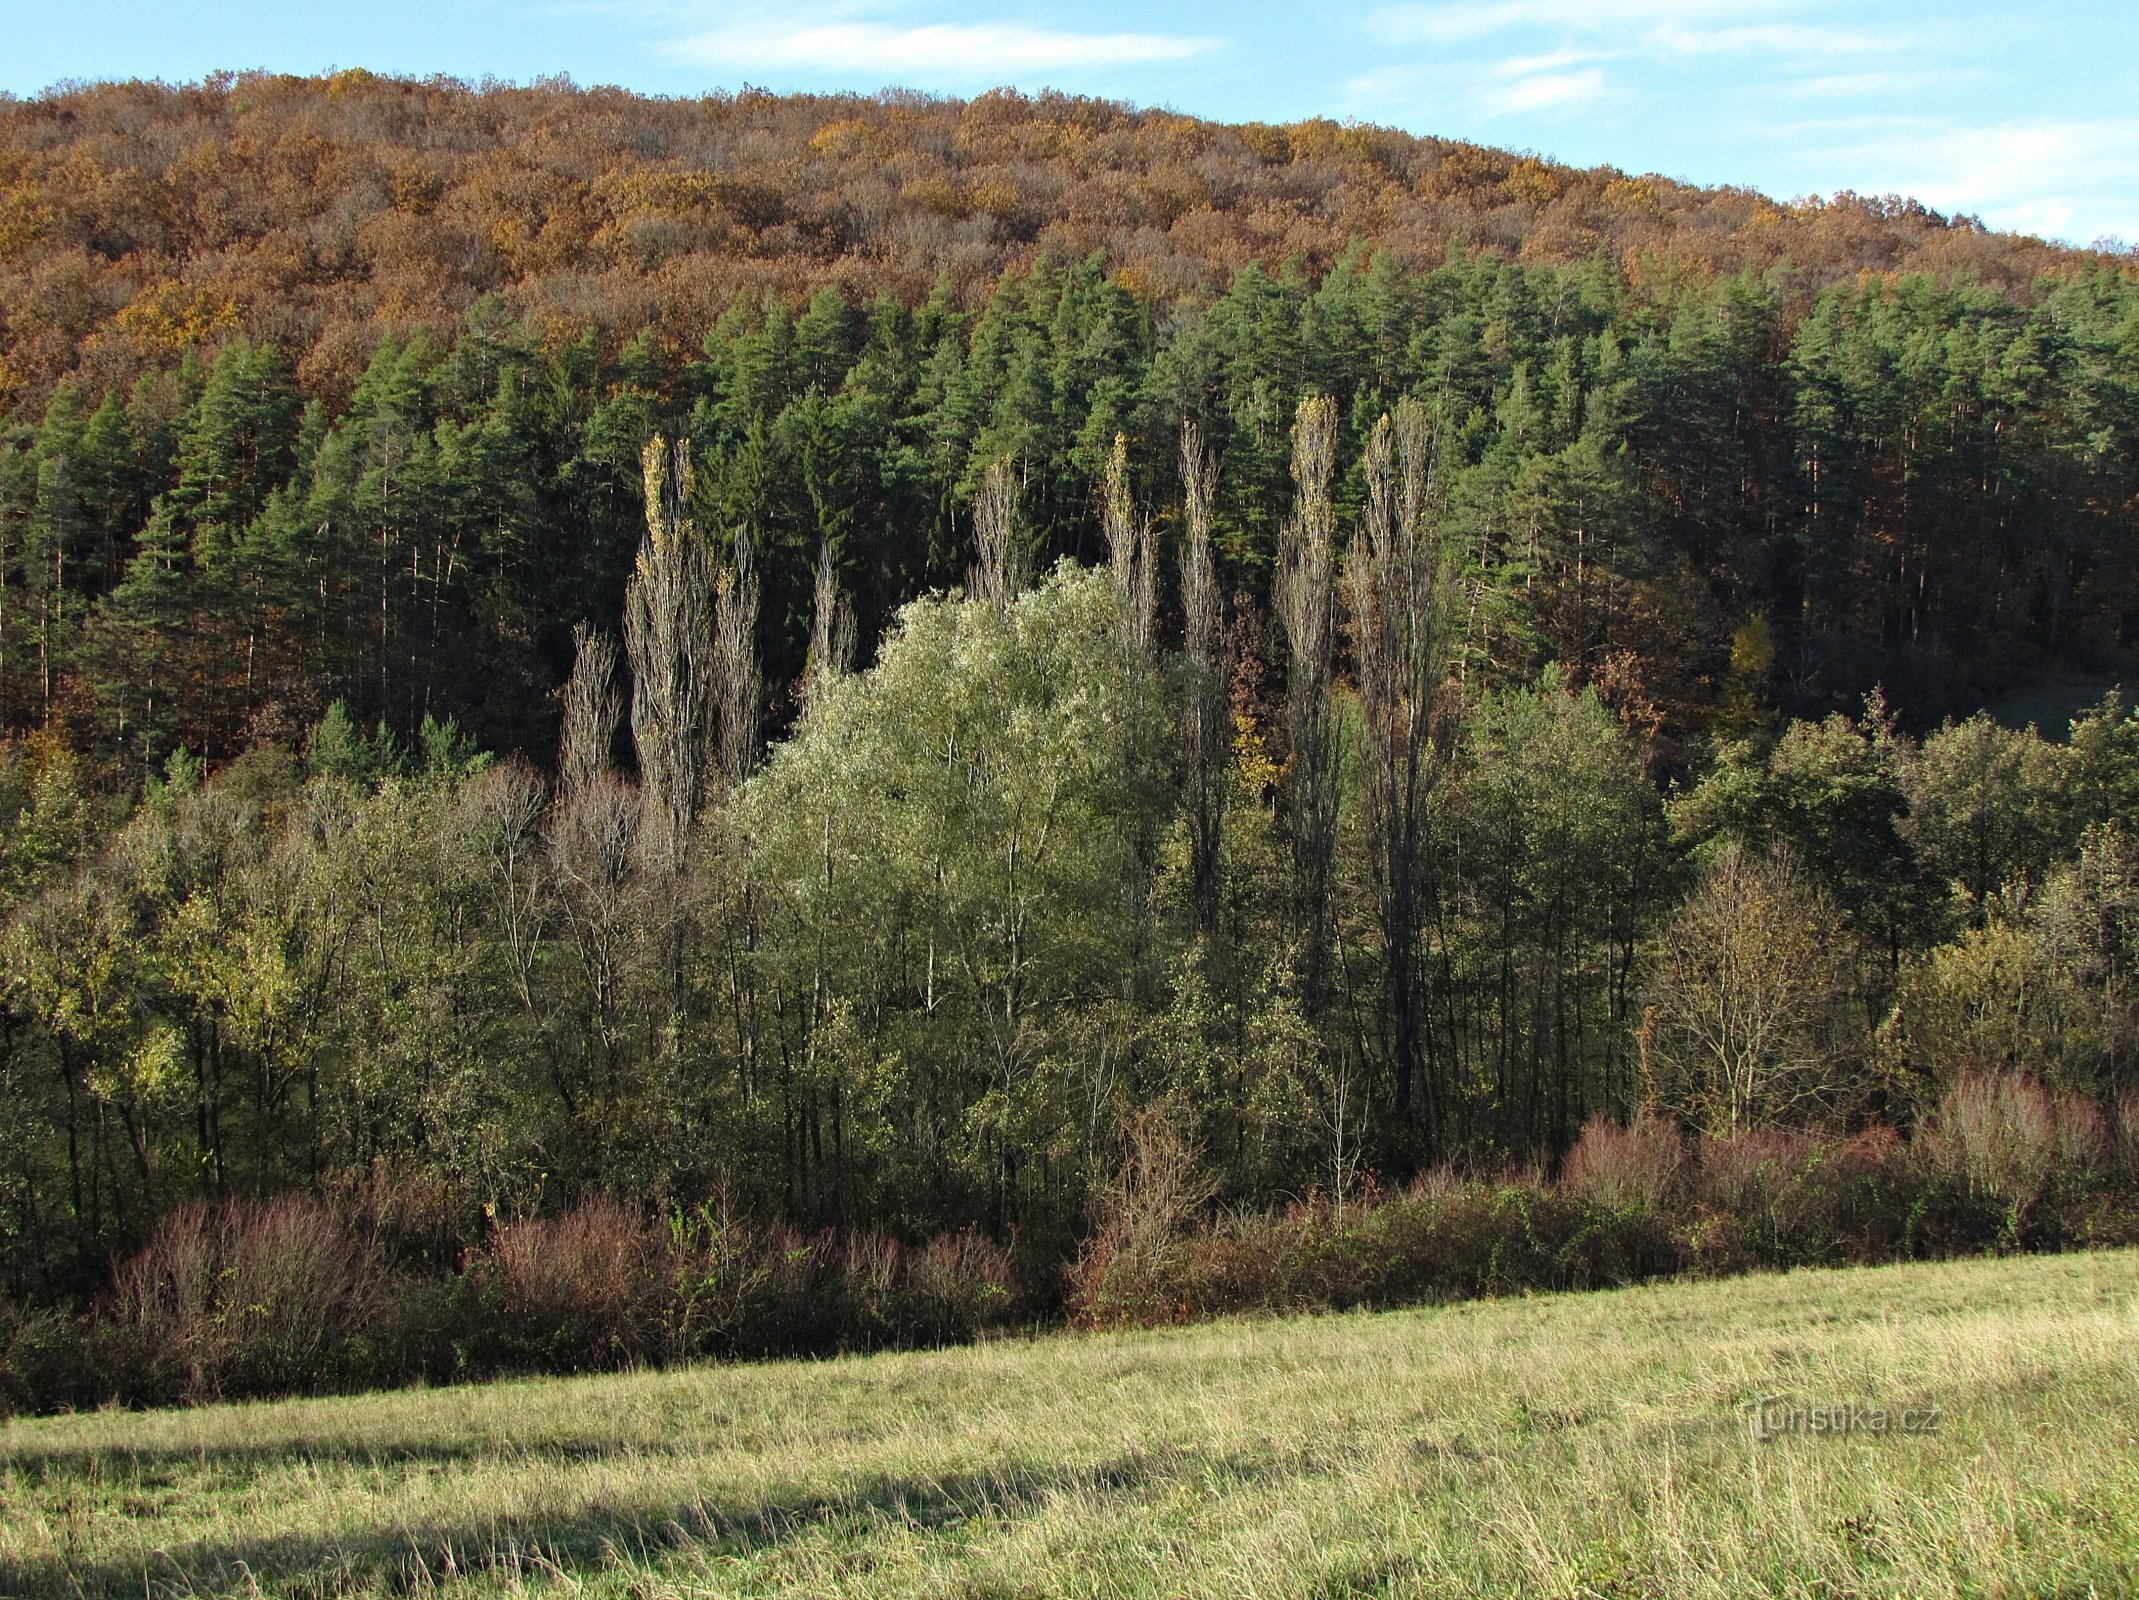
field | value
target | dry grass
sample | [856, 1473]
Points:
[1590, 1444]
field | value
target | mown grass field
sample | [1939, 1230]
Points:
[1595, 1444]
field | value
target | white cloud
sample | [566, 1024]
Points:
[1773, 38]
[817, 43]
[1524, 66]
[2065, 179]
[1509, 87]
[1473, 19]
[1547, 91]
[1872, 87]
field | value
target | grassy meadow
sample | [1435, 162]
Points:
[1592, 1444]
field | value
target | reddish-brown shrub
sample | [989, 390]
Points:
[2009, 1139]
[1638, 1165]
[249, 1298]
[2128, 1138]
[1849, 1202]
[586, 1287]
[966, 1284]
[1745, 1172]
[413, 1219]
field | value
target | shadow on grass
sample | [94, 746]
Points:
[419, 1555]
[154, 1464]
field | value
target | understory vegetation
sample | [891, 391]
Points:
[1584, 1445]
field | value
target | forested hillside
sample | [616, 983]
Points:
[335, 390]
[910, 667]
[137, 219]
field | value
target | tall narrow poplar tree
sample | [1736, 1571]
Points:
[739, 680]
[1306, 606]
[1203, 633]
[1130, 550]
[831, 627]
[1397, 585]
[998, 569]
[669, 635]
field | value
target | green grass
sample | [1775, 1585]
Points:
[1591, 1444]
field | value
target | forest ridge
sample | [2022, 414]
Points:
[140, 219]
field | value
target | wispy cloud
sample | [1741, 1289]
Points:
[1794, 39]
[1547, 91]
[1556, 83]
[2041, 176]
[1873, 86]
[818, 42]
[1475, 19]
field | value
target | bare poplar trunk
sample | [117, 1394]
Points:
[740, 679]
[592, 710]
[831, 628]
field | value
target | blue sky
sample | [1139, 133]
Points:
[2027, 116]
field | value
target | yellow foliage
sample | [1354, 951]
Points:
[936, 194]
[1273, 145]
[1137, 284]
[667, 191]
[1255, 775]
[24, 215]
[1466, 169]
[170, 315]
[845, 137]
[1634, 194]
[417, 189]
[1534, 182]
[997, 199]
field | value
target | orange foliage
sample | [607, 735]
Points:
[317, 211]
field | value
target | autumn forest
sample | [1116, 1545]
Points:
[973, 695]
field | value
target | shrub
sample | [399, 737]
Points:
[2027, 1149]
[1748, 1177]
[411, 1219]
[717, 1272]
[47, 1359]
[1623, 1168]
[248, 1298]
[1134, 1269]
[1440, 1240]
[585, 1289]
[1998, 1134]
[964, 1284]
[1847, 1203]
[2128, 1139]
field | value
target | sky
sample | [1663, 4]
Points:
[2026, 116]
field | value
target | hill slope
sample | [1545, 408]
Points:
[139, 218]
[1593, 1445]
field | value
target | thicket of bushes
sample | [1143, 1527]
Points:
[357, 1290]
[366, 1286]
[2003, 1164]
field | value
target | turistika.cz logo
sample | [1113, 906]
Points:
[1778, 1417]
